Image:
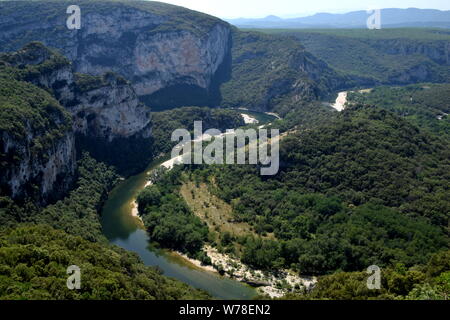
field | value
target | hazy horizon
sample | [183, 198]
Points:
[233, 9]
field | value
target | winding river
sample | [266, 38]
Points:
[126, 231]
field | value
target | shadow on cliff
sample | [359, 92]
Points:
[129, 156]
[179, 94]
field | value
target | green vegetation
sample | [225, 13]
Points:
[34, 260]
[85, 82]
[427, 282]
[168, 219]
[24, 106]
[302, 116]
[382, 34]
[32, 122]
[389, 56]
[164, 123]
[34, 255]
[32, 61]
[425, 105]
[128, 155]
[367, 187]
[180, 18]
[77, 214]
[271, 70]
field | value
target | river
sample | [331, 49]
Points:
[126, 231]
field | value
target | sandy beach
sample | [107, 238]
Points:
[341, 100]
[234, 269]
[248, 119]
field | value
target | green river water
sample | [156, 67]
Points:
[126, 231]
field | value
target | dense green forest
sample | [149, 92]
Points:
[38, 244]
[377, 195]
[168, 219]
[30, 118]
[389, 56]
[425, 105]
[77, 213]
[34, 260]
[268, 71]
[366, 186]
[165, 122]
[430, 281]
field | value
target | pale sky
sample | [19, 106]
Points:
[296, 8]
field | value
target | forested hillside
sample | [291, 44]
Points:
[426, 105]
[269, 71]
[165, 122]
[34, 260]
[386, 56]
[366, 188]
[38, 244]
[427, 282]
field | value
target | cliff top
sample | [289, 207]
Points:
[171, 17]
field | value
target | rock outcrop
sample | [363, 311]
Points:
[154, 45]
[44, 176]
[37, 143]
[105, 109]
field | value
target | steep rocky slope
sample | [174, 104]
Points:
[274, 72]
[103, 107]
[37, 144]
[387, 56]
[154, 45]
[172, 56]
[38, 135]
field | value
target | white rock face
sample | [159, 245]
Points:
[51, 172]
[183, 57]
[153, 45]
[108, 110]
[111, 111]
[341, 100]
[147, 46]
[152, 60]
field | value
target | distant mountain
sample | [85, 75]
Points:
[411, 17]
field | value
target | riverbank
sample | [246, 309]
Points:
[135, 212]
[341, 100]
[248, 119]
[270, 284]
[124, 227]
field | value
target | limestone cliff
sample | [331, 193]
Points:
[153, 45]
[37, 144]
[37, 136]
[104, 107]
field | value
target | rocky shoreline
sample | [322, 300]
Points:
[270, 284]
